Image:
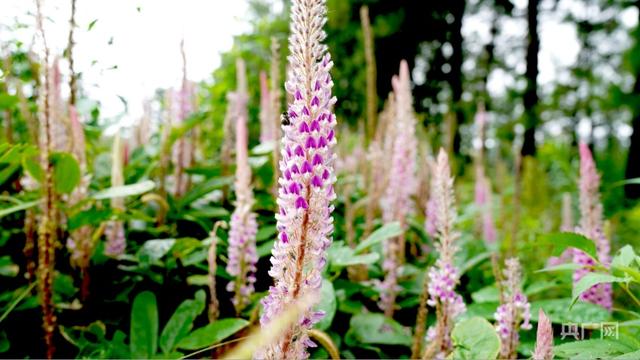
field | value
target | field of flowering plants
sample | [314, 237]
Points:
[354, 179]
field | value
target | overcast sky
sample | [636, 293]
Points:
[142, 37]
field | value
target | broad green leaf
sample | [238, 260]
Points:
[264, 249]
[342, 256]
[181, 322]
[562, 267]
[266, 233]
[374, 328]
[387, 231]
[591, 279]
[125, 190]
[562, 241]
[66, 172]
[33, 167]
[327, 304]
[19, 207]
[486, 294]
[153, 250]
[143, 334]
[212, 334]
[559, 312]
[474, 338]
[591, 349]
[624, 257]
[635, 355]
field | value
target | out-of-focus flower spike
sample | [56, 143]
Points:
[266, 114]
[591, 226]
[544, 338]
[114, 231]
[243, 255]
[402, 185]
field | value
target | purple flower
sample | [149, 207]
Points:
[514, 313]
[591, 226]
[243, 255]
[304, 220]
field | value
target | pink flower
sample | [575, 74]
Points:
[591, 226]
[544, 338]
[306, 190]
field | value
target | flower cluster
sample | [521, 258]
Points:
[243, 255]
[402, 185]
[514, 313]
[591, 226]
[444, 276]
[304, 220]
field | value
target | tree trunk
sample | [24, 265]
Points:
[456, 69]
[531, 93]
[633, 158]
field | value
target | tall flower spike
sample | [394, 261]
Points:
[47, 226]
[304, 221]
[591, 226]
[243, 255]
[266, 114]
[544, 338]
[114, 231]
[444, 276]
[402, 185]
[183, 147]
[79, 243]
[514, 314]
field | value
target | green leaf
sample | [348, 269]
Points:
[474, 338]
[327, 304]
[591, 279]
[486, 294]
[591, 349]
[562, 241]
[373, 328]
[635, 355]
[212, 333]
[19, 207]
[92, 24]
[153, 250]
[342, 256]
[66, 172]
[33, 168]
[125, 190]
[181, 322]
[4, 342]
[387, 231]
[559, 312]
[562, 267]
[264, 249]
[144, 326]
